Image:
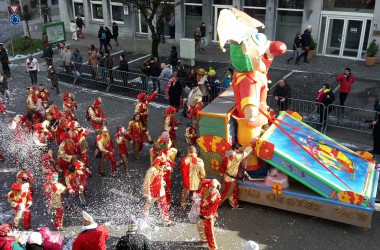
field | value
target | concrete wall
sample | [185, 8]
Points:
[376, 24]
[270, 19]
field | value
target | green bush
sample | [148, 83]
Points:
[26, 45]
[313, 44]
[372, 49]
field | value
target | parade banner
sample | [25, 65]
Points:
[55, 32]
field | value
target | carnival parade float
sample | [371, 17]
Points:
[293, 166]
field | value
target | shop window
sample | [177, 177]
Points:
[193, 1]
[78, 9]
[223, 2]
[367, 6]
[97, 10]
[193, 19]
[255, 3]
[117, 12]
[290, 4]
[288, 24]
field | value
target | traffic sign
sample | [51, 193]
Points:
[14, 19]
[14, 8]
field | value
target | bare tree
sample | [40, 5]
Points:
[27, 14]
[153, 10]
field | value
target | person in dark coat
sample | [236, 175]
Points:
[297, 46]
[282, 92]
[306, 42]
[174, 91]
[80, 24]
[4, 61]
[48, 54]
[123, 66]
[326, 97]
[108, 36]
[155, 71]
[115, 32]
[161, 29]
[173, 57]
[102, 38]
[108, 64]
[133, 240]
[376, 129]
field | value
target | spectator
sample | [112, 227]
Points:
[48, 54]
[171, 24]
[76, 60]
[52, 241]
[203, 37]
[164, 77]
[376, 129]
[173, 57]
[282, 93]
[326, 97]
[197, 38]
[181, 74]
[228, 79]
[297, 47]
[174, 91]
[108, 64]
[7, 241]
[306, 41]
[34, 241]
[213, 83]
[133, 240]
[115, 32]
[92, 58]
[102, 38]
[190, 78]
[202, 83]
[5, 61]
[191, 99]
[345, 82]
[52, 74]
[123, 67]
[67, 62]
[4, 87]
[92, 235]
[101, 68]
[32, 67]
[161, 29]
[73, 30]
[155, 71]
[80, 24]
[108, 37]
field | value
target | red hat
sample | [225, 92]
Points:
[31, 89]
[159, 161]
[210, 183]
[65, 96]
[46, 44]
[73, 125]
[64, 136]
[5, 229]
[141, 96]
[170, 111]
[16, 187]
[39, 126]
[57, 116]
[98, 101]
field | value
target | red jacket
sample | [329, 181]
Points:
[7, 242]
[345, 82]
[92, 239]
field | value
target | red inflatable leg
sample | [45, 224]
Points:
[26, 219]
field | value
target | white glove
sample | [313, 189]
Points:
[169, 168]
[175, 128]
[80, 188]
[21, 207]
[149, 199]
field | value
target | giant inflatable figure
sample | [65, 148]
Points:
[251, 55]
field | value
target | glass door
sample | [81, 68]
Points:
[353, 34]
[335, 29]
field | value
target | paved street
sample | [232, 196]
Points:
[113, 200]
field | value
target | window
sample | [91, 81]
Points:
[367, 6]
[255, 3]
[290, 4]
[97, 10]
[117, 12]
[54, 2]
[223, 2]
[193, 19]
[288, 24]
[193, 1]
[78, 8]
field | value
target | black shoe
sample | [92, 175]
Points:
[306, 61]
[289, 60]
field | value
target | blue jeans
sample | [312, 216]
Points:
[102, 43]
[296, 54]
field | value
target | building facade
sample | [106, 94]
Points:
[341, 28]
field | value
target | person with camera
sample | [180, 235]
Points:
[345, 81]
[32, 67]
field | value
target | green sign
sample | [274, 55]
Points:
[55, 32]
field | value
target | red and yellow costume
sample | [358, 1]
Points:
[97, 116]
[230, 172]
[42, 134]
[154, 191]
[48, 164]
[59, 127]
[122, 139]
[194, 110]
[2, 108]
[66, 152]
[20, 200]
[191, 135]
[44, 95]
[137, 132]
[193, 172]
[210, 199]
[69, 106]
[143, 104]
[33, 105]
[105, 145]
[171, 125]
[76, 181]
[25, 175]
[51, 112]
[79, 137]
[53, 192]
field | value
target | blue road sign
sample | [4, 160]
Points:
[14, 19]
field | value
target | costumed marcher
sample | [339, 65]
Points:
[42, 136]
[52, 241]
[143, 104]
[203, 84]
[2, 108]
[67, 154]
[133, 240]
[251, 55]
[79, 137]
[51, 111]
[25, 175]
[43, 94]
[92, 236]
[213, 83]
[75, 179]
[137, 131]
[345, 82]
[96, 115]
[20, 200]
[69, 106]
[34, 108]
[122, 139]
[191, 135]
[48, 163]
[154, 191]
[194, 110]
[230, 172]
[53, 191]
[59, 126]
[171, 125]
[7, 240]
[193, 172]
[210, 199]
[105, 146]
